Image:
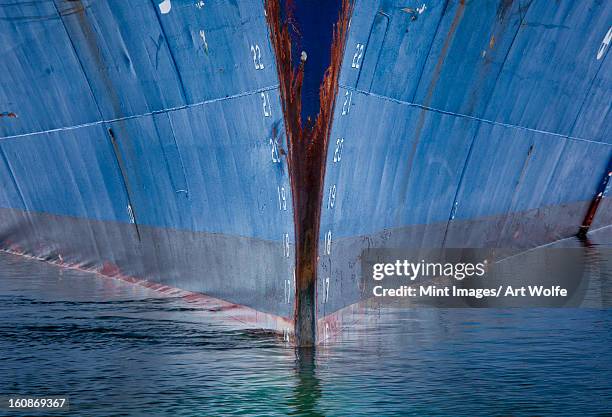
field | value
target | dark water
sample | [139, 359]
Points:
[117, 349]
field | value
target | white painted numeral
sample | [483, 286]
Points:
[326, 289]
[274, 145]
[286, 245]
[282, 198]
[204, 43]
[338, 151]
[454, 210]
[130, 213]
[287, 291]
[346, 107]
[256, 51]
[165, 6]
[604, 44]
[328, 243]
[267, 109]
[332, 197]
[358, 55]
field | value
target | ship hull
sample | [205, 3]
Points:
[147, 139]
[236, 269]
[463, 124]
[146, 142]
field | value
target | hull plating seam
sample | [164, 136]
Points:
[136, 116]
[467, 116]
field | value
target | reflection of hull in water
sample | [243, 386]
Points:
[151, 138]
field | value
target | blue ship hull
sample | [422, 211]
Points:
[465, 124]
[142, 144]
[147, 138]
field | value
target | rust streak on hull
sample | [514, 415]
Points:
[592, 211]
[306, 156]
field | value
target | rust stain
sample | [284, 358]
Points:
[8, 114]
[306, 154]
[88, 31]
[430, 90]
[592, 211]
[500, 30]
[447, 42]
[96, 54]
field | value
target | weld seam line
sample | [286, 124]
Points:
[466, 116]
[136, 116]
